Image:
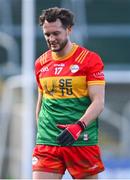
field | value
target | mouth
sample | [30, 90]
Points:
[54, 45]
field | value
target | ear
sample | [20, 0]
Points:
[69, 30]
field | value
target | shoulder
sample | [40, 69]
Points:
[87, 56]
[40, 61]
[93, 57]
[81, 54]
[82, 49]
[91, 53]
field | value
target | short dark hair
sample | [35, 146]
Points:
[52, 14]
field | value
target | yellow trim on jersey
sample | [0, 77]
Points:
[82, 52]
[56, 57]
[82, 56]
[85, 55]
[43, 58]
[64, 87]
[101, 82]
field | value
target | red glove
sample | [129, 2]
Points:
[70, 133]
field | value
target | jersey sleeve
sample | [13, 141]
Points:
[37, 74]
[95, 70]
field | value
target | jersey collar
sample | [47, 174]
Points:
[61, 58]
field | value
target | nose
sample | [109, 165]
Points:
[51, 37]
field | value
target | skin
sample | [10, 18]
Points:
[57, 38]
[45, 175]
[38, 106]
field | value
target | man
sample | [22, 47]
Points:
[70, 98]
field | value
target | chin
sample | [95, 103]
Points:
[55, 50]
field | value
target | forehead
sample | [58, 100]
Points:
[52, 26]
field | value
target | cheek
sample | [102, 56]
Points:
[63, 36]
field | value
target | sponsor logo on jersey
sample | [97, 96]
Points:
[59, 65]
[65, 86]
[74, 68]
[44, 69]
[51, 88]
[62, 86]
[98, 74]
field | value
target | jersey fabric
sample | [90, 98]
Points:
[64, 83]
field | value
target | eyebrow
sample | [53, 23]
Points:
[47, 33]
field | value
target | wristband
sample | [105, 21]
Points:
[82, 124]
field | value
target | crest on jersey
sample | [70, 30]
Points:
[74, 68]
[85, 137]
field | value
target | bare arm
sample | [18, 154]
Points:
[38, 105]
[96, 94]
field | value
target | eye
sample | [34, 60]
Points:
[47, 34]
[56, 33]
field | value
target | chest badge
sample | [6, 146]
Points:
[74, 68]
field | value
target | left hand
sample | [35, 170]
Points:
[70, 133]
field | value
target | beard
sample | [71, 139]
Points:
[61, 46]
